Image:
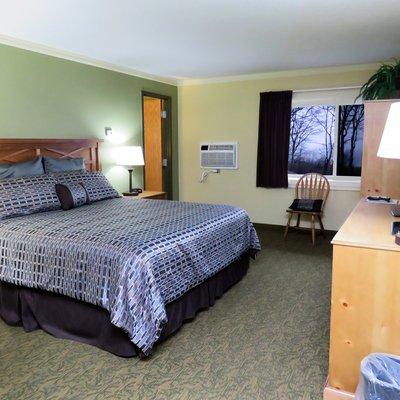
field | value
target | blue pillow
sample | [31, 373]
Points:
[29, 195]
[22, 169]
[95, 183]
[63, 164]
[77, 176]
[97, 187]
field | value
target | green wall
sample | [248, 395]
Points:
[48, 97]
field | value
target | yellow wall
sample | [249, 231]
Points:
[228, 111]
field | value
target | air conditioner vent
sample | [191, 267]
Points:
[219, 155]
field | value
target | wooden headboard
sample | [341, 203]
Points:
[18, 150]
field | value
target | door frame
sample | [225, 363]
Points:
[166, 127]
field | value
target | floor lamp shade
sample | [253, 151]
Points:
[390, 141]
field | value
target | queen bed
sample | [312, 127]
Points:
[120, 274]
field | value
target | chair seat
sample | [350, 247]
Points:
[289, 210]
[308, 205]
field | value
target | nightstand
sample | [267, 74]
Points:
[148, 194]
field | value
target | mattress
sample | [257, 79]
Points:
[130, 257]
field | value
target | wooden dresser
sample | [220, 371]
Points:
[365, 309]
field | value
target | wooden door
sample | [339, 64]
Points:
[379, 176]
[153, 143]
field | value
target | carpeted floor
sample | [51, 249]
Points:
[266, 338]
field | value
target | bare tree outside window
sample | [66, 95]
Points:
[350, 139]
[312, 139]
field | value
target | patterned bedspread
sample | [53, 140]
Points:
[131, 257]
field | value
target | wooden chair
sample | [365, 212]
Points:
[311, 186]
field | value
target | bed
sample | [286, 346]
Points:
[120, 274]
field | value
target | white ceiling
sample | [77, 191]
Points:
[211, 38]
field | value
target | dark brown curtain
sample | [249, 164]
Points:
[273, 139]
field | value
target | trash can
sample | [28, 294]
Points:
[379, 378]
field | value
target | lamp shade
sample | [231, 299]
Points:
[390, 141]
[129, 156]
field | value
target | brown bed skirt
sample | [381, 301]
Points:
[67, 318]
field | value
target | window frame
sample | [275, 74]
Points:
[334, 97]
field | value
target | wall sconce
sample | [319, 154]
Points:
[108, 131]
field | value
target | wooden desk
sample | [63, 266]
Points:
[147, 194]
[365, 307]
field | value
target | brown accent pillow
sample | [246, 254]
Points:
[71, 195]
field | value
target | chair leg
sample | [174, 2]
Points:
[298, 220]
[313, 229]
[288, 225]
[321, 225]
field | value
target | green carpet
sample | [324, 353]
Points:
[266, 338]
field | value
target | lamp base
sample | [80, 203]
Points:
[130, 193]
[133, 192]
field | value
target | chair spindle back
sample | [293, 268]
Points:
[313, 186]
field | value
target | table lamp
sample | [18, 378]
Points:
[390, 141]
[130, 157]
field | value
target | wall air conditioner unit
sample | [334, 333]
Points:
[219, 155]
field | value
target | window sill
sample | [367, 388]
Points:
[350, 184]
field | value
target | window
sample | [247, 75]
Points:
[350, 140]
[312, 135]
[326, 139]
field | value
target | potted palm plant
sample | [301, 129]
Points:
[384, 84]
